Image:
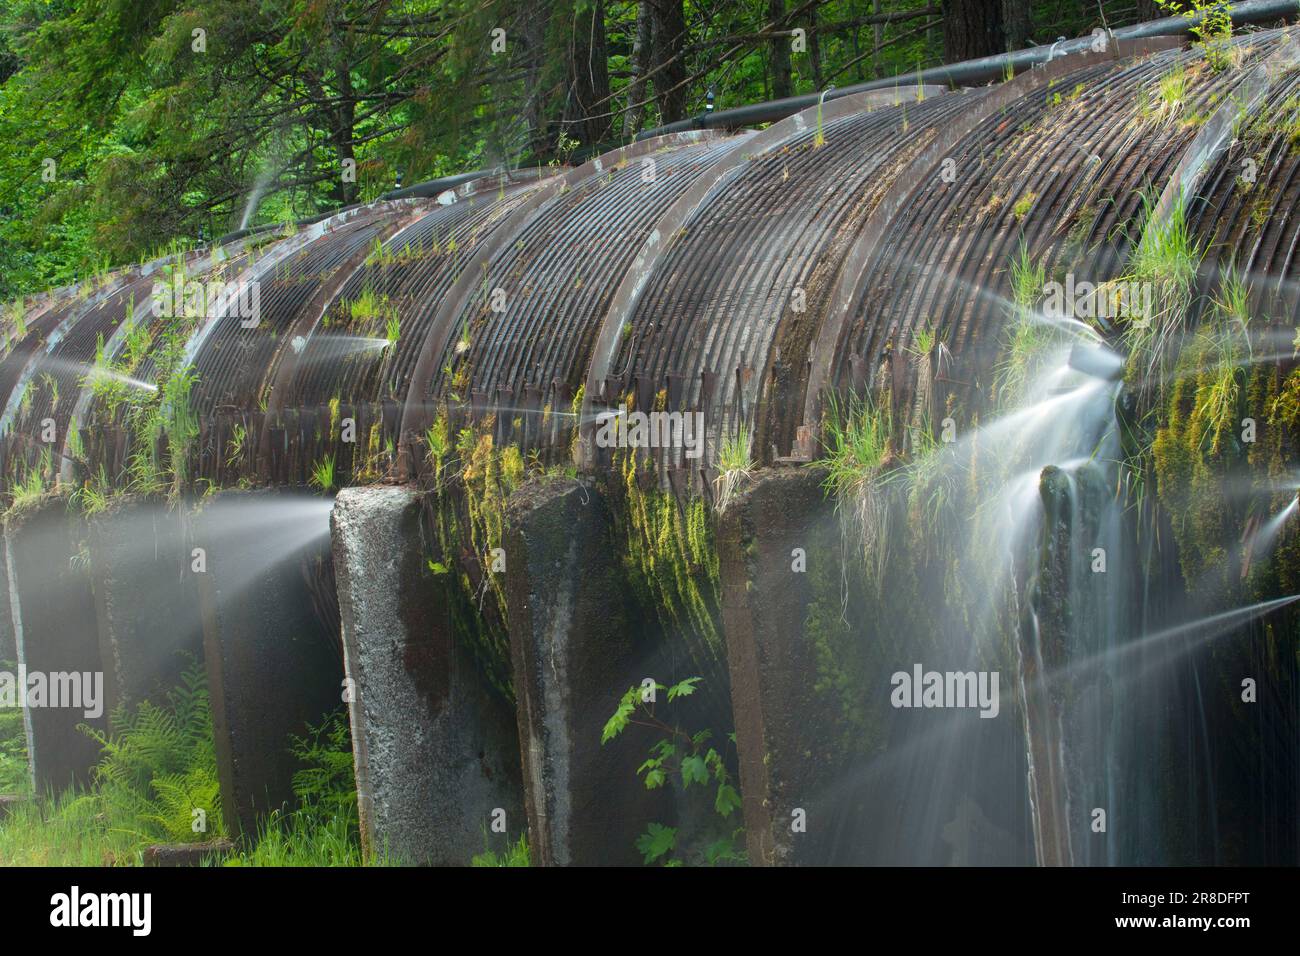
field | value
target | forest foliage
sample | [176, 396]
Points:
[131, 126]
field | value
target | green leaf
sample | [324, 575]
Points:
[727, 801]
[618, 722]
[666, 749]
[657, 841]
[720, 851]
[684, 689]
[713, 760]
[655, 779]
[694, 771]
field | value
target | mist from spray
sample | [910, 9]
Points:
[260, 185]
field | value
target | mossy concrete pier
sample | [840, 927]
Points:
[53, 615]
[435, 746]
[146, 599]
[577, 647]
[773, 538]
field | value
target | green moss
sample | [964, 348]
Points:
[669, 557]
[1195, 450]
[488, 476]
[1275, 456]
[514, 854]
[843, 668]
[467, 526]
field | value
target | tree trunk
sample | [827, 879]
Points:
[341, 121]
[641, 48]
[534, 111]
[1150, 10]
[589, 76]
[878, 35]
[1017, 23]
[971, 29]
[781, 84]
[347, 191]
[669, 53]
[814, 49]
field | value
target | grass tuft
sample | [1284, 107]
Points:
[1167, 257]
[734, 465]
[322, 474]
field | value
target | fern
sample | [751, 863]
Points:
[324, 829]
[158, 766]
[327, 778]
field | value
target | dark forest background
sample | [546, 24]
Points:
[131, 126]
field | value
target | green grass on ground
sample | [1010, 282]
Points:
[13, 747]
[156, 782]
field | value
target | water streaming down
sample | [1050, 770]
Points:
[1063, 546]
[254, 537]
[955, 788]
[1051, 586]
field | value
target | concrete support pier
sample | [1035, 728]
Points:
[436, 748]
[273, 659]
[575, 650]
[56, 641]
[1069, 702]
[765, 600]
[8, 640]
[146, 599]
